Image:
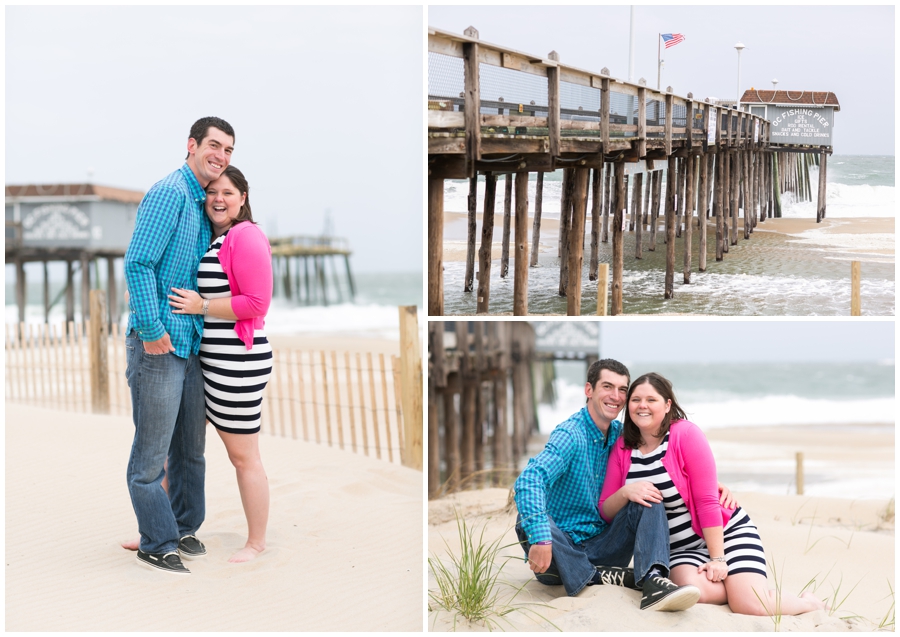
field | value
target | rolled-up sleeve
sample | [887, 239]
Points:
[251, 265]
[531, 487]
[156, 221]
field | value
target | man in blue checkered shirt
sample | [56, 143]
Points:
[171, 235]
[559, 526]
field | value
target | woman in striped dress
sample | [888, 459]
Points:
[662, 457]
[235, 284]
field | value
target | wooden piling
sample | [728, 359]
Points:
[671, 187]
[654, 213]
[638, 183]
[507, 218]
[520, 282]
[618, 247]
[604, 228]
[690, 174]
[855, 306]
[646, 206]
[98, 344]
[565, 221]
[718, 203]
[576, 240]
[596, 201]
[745, 173]
[487, 238]
[680, 175]
[735, 191]
[411, 388]
[799, 473]
[602, 288]
[470, 239]
[435, 247]
[821, 197]
[538, 208]
[702, 205]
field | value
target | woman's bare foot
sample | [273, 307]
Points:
[246, 554]
[820, 605]
[132, 545]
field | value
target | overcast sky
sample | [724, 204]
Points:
[848, 50]
[747, 341]
[326, 104]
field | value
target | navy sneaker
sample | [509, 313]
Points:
[167, 562]
[617, 576]
[190, 547]
[660, 593]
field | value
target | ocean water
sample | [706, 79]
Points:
[822, 396]
[373, 313]
[807, 274]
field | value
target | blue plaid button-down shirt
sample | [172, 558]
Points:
[171, 235]
[564, 481]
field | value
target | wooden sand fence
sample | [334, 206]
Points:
[351, 400]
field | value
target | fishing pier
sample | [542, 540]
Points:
[494, 111]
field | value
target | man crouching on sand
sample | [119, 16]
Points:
[559, 525]
[171, 235]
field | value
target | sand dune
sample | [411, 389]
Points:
[840, 542]
[344, 542]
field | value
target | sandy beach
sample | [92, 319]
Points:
[455, 232]
[841, 543]
[67, 509]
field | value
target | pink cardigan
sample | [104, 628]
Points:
[246, 258]
[689, 462]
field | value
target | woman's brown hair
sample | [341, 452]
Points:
[630, 432]
[237, 179]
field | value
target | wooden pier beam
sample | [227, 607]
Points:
[435, 247]
[469, 278]
[553, 106]
[472, 107]
[690, 175]
[520, 282]
[487, 238]
[654, 212]
[671, 187]
[604, 228]
[735, 193]
[618, 247]
[702, 205]
[748, 199]
[718, 202]
[679, 194]
[646, 206]
[507, 218]
[596, 186]
[821, 197]
[565, 221]
[538, 209]
[576, 240]
[638, 231]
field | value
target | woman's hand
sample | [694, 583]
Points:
[726, 499]
[642, 493]
[715, 571]
[185, 301]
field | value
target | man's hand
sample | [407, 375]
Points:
[642, 493]
[161, 346]
[539, 557]
[725, 498]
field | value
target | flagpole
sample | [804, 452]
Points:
[658, 38]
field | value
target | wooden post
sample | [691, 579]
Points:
[799, 473]
[604, 228]
[668, 133]
[602, 289]
[604, 111]
[507, 218]
[470, 239]
[70, 292]
[670, 226]
[679, 198]
[553, 115]
[820, 204]
[536, 228]
[21, 296]
[638, 183]
[618, 247]
[745, 171]
[735, 191]
[451, 432]
[691, 172]
[629, 202]
[487, 239]
[576, 240]
[642, 122]
[97, 341]
[113, 296]
[705, 160]
[654, 213]
[646, 206]
[435, 247]
[411, 388]
[596, 179]
[434, 474]
[565, 221]
[85, 286]
[520, 282]
[46, 294]
[718, 202]
[855, 306]
[472, 107]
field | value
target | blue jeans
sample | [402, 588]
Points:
[169, 412]
[636, 530]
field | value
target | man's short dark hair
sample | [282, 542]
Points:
[614, 366]
[200, 129]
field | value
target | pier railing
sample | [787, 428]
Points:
[349, 400]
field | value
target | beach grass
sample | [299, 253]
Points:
[887, 622]
[774, 613]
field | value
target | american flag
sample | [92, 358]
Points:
[671, 39]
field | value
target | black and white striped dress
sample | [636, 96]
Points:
[233, 377]
[743, 547]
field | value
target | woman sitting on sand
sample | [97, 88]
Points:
[662, 457]
[235, 283]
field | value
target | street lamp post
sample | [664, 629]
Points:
[774, 85]
[740, 47]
